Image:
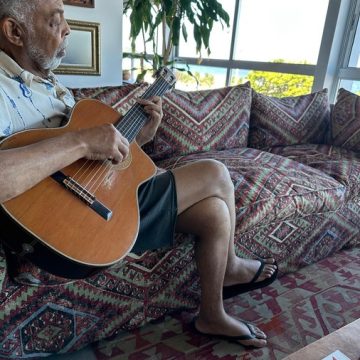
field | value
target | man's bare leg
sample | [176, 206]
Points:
[206, 209]
[209, 178]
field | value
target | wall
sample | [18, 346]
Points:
[109, 14]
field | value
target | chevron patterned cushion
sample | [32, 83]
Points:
[290, 120]
[202, 120]
[345, 121]
[121, 98]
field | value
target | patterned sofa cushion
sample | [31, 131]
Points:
[345, 121]
[202, 120]
[121, 98]
[269, 187]
[341, 164]
[286, 121]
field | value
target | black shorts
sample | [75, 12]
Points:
[158, 213]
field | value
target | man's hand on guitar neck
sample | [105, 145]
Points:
[153, 107]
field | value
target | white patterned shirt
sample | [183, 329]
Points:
[29, 101]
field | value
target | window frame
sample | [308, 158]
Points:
[344, 71]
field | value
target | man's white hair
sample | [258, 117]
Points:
[18, 9]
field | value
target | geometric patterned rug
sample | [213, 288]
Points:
[296, 310]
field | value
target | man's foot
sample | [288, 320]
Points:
[230, 329]
[244, 271]
[265, 274]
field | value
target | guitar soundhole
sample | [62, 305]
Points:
[124, 164]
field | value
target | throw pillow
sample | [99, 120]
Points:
[197, 121]
[290, 120]
[121, 98]
[345, 121]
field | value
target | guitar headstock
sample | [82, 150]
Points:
[166, 74]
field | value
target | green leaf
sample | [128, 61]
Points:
[184, 32]
[176, 31]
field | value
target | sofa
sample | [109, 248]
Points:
[295, 165]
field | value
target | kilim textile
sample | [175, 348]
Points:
[345, 120]
[290, 120]
[296, 310]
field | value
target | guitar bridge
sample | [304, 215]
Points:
[79, 191]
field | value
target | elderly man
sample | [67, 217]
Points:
[33, 36]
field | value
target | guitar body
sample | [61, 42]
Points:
[56, 230]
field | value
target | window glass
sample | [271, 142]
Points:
[274, 84]
[287, 30]
[220, 38]
[355, 52]
[204, 77]
[350, 85]
[132, 69]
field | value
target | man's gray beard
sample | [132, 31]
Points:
[44, 62]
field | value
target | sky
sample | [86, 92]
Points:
[270, 29]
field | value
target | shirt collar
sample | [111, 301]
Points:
[12, 69]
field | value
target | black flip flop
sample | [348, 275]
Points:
[233, 290]
[233, 339]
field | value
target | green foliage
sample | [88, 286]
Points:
[147, 17]
[277, 84]
[205, 80]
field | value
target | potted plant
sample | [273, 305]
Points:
[148, 17]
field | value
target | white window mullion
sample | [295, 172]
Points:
[341, 46]
[324, 65]
[233, 39]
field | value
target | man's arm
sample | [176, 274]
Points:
[22, 168]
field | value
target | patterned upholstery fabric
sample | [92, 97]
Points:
[339, 163]
[121, 98]
[202, 120]
[345, 121]
[269, 187]
[289, 121]
[294, 311]
[298, 204]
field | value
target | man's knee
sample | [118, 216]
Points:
[209, 218]
[218, 175]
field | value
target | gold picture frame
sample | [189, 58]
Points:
[83, 3]
[83, 52]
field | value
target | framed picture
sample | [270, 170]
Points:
[83, 52]
[84, 3]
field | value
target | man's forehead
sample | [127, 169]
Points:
[50, 6]
[50, 3]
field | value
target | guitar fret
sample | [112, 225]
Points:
[135, 118]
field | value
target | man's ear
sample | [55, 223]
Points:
[12, 31]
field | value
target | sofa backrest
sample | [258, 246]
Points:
[238, 116]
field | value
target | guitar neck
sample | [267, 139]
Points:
[134, 120]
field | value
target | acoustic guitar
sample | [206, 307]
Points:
[84, 217]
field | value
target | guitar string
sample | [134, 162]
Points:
[79, 175]
[129, 127]
[133, 129]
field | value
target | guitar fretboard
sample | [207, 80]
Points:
[133, 121]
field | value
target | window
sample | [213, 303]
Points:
[280, 30]
[349, 72]
[219, 36]
[283, 47]
[269, 40]
[203, 77]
